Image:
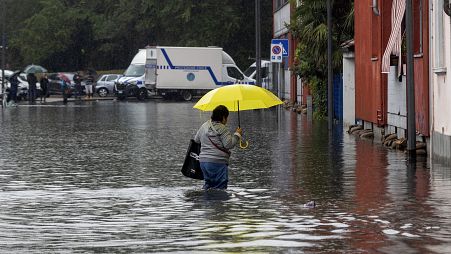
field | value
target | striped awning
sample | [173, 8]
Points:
[395, 40]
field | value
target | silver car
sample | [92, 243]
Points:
[105, 84]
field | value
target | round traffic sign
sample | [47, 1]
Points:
[276, 50]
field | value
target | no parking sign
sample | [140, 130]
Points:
[279, 50]
[276, 53]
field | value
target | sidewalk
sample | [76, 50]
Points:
[59, 100]
[55, 99]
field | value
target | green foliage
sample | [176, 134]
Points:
[309, 26]
[320, 99]
[106, 34]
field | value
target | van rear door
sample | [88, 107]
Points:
[151, 68]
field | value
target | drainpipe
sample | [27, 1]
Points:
[411, 128]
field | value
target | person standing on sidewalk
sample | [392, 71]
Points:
[32, 80]
[216, 141]
[89, 85]
[78, 87]
[44, 87]
[64, 90]
[13, 88]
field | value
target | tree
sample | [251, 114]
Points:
[309, 27]
[105, 34]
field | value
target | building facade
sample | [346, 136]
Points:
[440, 79]
[380, 86]
[289, 86]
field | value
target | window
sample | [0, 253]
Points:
[134, 70]
[280, 3]
[103, 78]
[418, 28]
[234, 73]
[111, 77]
[439, 41]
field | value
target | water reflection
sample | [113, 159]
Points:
[105, 177]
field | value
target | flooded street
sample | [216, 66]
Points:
[105, 177]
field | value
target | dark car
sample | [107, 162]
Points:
[54, 86]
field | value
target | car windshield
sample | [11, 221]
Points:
[134, 70]
[249, 71]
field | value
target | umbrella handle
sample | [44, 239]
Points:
[243, 144]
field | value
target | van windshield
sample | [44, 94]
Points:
[249, 71]
[134, 70]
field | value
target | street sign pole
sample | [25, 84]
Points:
[3, 52]
[330, 111]
[411, 128]
[257, 44]
[277, 58]
[280, 48]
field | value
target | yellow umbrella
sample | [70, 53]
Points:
[238, 97]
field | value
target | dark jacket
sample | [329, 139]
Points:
[90, 80]
[77, 79]
[31, 79]
[14, 82]
[44, 83]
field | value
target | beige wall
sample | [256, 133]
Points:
[441, 77]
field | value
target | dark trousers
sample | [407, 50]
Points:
[32, 92]
[44, 94]
[12, 95]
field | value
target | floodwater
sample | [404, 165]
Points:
[105, 177]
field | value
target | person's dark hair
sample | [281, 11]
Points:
[219, 112]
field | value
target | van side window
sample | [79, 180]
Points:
[234, 73]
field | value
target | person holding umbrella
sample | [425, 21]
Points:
[216, 142]
[32, 90]
[44, 87]
[215, 139]
[13, 88]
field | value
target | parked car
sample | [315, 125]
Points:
[8, 74]
[105, 84]
[22, 88]
[54, 86]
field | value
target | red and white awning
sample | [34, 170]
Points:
[395, 40]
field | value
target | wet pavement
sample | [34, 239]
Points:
[105, 177]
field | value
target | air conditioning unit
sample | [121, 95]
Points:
[447, 7]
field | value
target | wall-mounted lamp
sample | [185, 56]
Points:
[375, 7]
[447, 7]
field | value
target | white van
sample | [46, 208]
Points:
[251, 72]
[181, 71]
[132, 82]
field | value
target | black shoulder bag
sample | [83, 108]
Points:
[191, 165]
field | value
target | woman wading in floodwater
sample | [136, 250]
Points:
[216, 141]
